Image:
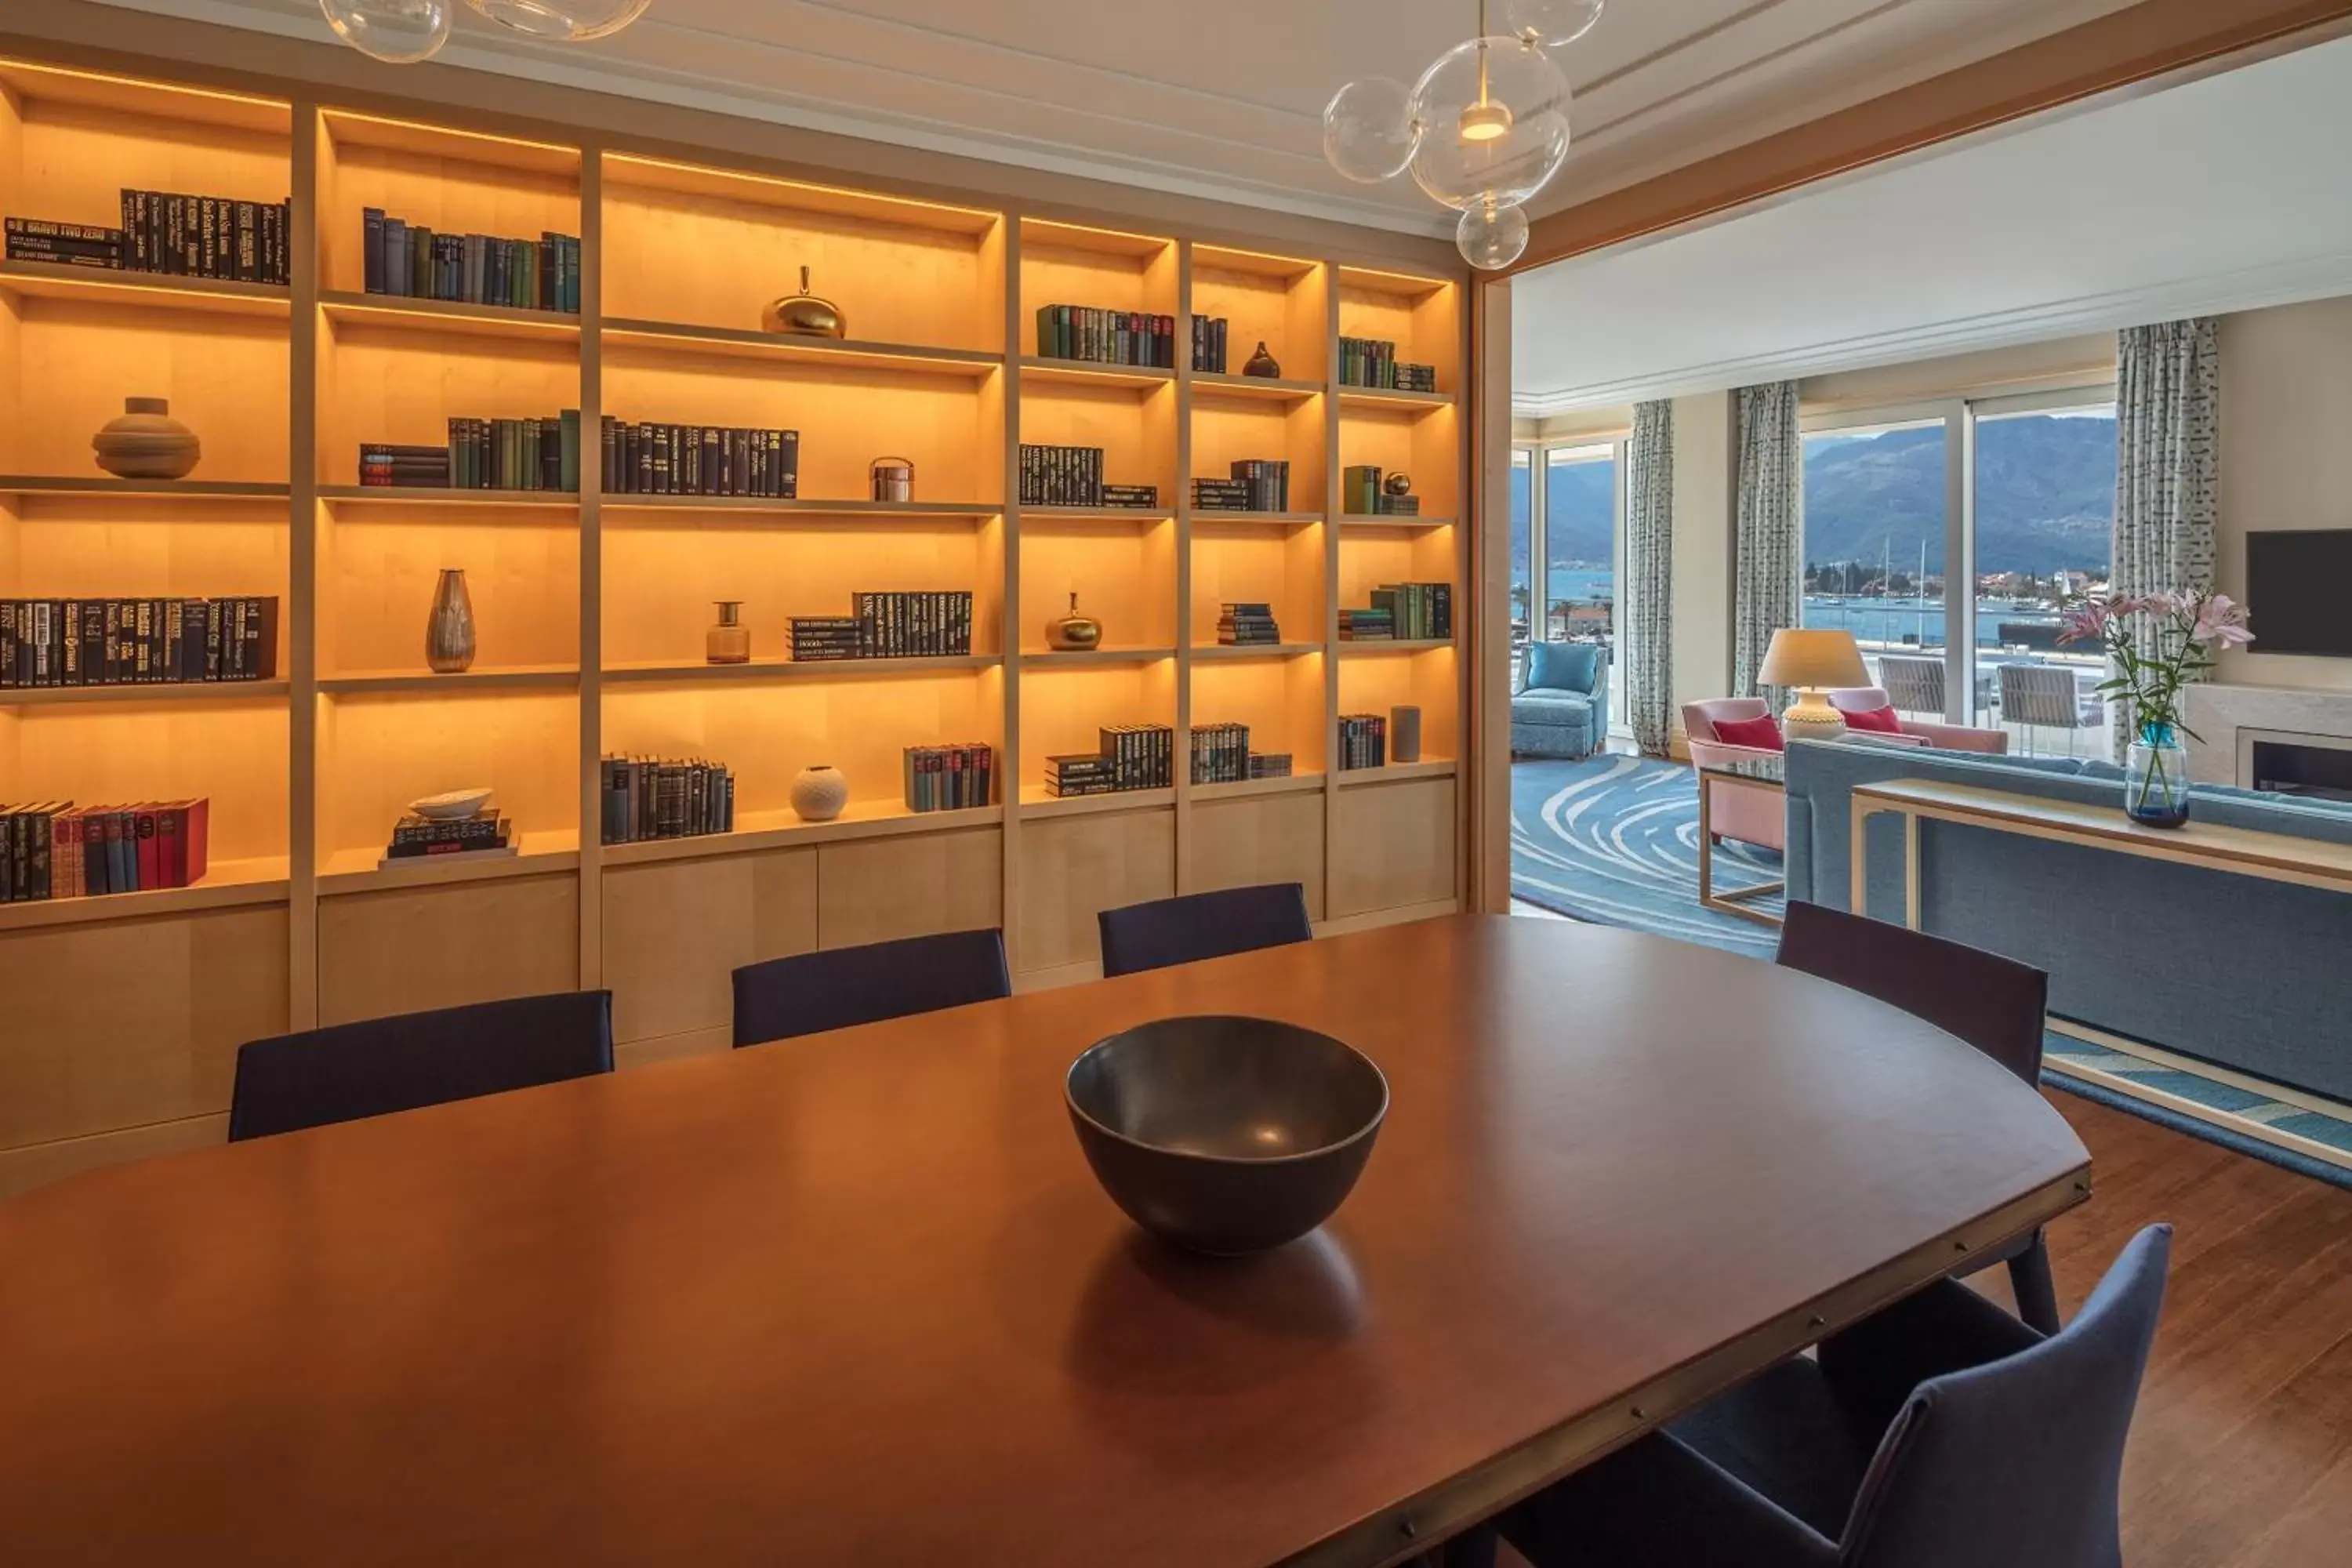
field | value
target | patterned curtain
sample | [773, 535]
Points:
[2168, 419]
[1772, 513]
[1648, 592]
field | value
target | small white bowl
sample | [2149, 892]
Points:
[454, 807]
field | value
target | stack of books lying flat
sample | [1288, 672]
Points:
[1269, 764]
[1241, 624]
[485, 836]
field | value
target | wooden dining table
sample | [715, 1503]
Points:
[855, 1299]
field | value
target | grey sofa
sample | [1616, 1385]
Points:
[1561, 708]
[2233, 970]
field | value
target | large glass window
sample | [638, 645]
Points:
[2045, 507]
[1522, 522]
[1873, 547]
[1565, 534]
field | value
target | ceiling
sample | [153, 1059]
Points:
[1225, 97]
[2220, 195]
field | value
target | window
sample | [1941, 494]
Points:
[1522, 521]
[1874, 549]
[1579, 543]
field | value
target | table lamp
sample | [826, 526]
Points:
[1815, 663]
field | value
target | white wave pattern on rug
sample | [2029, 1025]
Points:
[1615, 840]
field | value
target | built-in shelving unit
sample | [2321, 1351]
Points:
[591, 609]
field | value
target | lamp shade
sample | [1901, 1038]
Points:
[1818, 660]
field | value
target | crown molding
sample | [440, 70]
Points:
[2228, 293]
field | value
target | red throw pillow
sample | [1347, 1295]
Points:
[1882, 720]
[1758, 735]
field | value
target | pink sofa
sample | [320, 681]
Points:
[1751, 815]
[1943, 737]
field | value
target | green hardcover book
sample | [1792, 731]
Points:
[567, 468]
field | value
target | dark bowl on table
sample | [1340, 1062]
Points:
[1226, 1135]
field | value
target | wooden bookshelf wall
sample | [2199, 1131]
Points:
[591, 608]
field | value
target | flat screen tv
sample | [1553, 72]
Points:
[2299, 588]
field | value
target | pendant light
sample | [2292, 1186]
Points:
[403, 32]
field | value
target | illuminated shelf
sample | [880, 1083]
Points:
[1270, 519]
[906, 359]
[1087, 373]
[759, 830]
[1442, 768]
[1259, 388]
[158, 691]
[1036, 659]
[141, 490]
[1391, 398]
[1035, 801]
[227, 884]
[408, 495]
[1031, 513]
[144, 290]
[804, 669]
[1234, 789]
[400, 310]
[750, 509]
[537, 855]
[1370, 519]
[1393, 644]
[532, 677]
[1256, 650]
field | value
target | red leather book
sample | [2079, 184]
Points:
[194, 820]
[171, 860]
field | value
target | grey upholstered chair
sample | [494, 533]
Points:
[1940, 1433]
[1914, 684]
[2047, 696]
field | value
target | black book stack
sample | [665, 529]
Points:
[137, 642]
[950, 778]
[1209, 345]
[1079, 772]
[1363, 741]
[181, 235]
[1131, 756]
[1106, 337]
[920, 625]
[1269, 764]
[411, 261]
[647, 459]
[1139, 497]
[1367, 626]
[1257, 484]
[1247, 624]
[1220, 754]
[484, 836]
[385, 464]
[650, 797]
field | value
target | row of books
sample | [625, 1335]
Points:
[1220, 754]
[180, 235]
[485, 836]
[1130, 756]
[1209, 343]
[1072, 476]
[1363, 741]
[1106, 337]
[408, 259]
[950, 778]
[1418, 612]
[923, 624]
[541, 454]
[55, 849]
[1242, 624]
[662, 797]
[1257, 484]
[1372, 361]
[137, 642]
[1362, 494]
[645, 459]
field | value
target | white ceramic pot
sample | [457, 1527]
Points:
[819, 793]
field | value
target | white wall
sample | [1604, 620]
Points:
[2286, 458]
[1705, 509]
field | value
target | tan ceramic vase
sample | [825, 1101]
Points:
[146, 442]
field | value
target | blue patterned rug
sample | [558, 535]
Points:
[1614, 841]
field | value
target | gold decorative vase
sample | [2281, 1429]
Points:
[1074, 633]
[804, 314]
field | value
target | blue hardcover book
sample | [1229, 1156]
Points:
[372, 248]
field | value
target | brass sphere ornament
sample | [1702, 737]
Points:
[804, 314]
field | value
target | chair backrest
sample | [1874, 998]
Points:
[372, 1068]
[2017, 1462]
[1203, 925]
[1562, 667]
[842, 986]
[2039, 694]
[1861, 700]
[1913, 684]
[1700, 718]
[1995, 1004]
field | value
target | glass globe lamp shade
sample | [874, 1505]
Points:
[565, 21]
[1553, 22]
[1493, 119]
[398, 32]
[1368, 129]
[1491, 234]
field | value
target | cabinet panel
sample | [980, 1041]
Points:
[878, 889]
[674, 933]
[410, 950]
[1394, 845]
[1260, 838]
[1071, 868]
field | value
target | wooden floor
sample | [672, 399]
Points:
[2242, 1453]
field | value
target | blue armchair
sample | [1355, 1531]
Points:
[1561, 708]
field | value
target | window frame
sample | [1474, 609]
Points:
[1605, 445]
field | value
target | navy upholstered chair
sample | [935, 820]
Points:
[1995, 1004]
[840, 987]
[1940, 1433]
[1203, 925]
[383, 1064]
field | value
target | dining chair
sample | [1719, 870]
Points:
[1938, 1433]
[842, 986]
[1203, 925]
[1995, 1004]
[348, 1071]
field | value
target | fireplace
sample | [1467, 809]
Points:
[2310, 765]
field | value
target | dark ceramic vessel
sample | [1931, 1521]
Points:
[1226, 1135]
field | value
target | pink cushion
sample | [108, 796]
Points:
[1758, 734]
[1882, 720]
